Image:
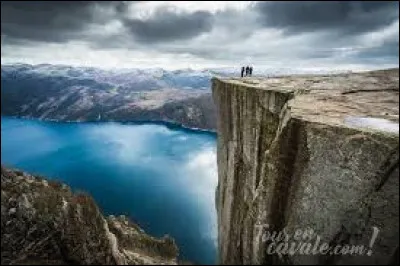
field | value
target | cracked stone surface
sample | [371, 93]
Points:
[316, 152]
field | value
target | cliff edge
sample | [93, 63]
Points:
[43, 222]
[317, 153]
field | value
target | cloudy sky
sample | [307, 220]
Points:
[171, 34]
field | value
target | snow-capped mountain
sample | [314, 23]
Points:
[89, 94]
[133, 79]
[63, 92]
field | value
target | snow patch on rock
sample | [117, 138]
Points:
[372, 123]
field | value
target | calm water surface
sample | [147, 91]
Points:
[163, 178]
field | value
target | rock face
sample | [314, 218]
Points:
[43, 222]
[305, 152]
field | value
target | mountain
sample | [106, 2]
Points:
[134, 79]
[66, 93]
[43, 222]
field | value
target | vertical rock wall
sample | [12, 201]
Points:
[289, 171]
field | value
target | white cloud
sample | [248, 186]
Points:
[235, 38]
[146, 8]
[379, 37]
[202, 179]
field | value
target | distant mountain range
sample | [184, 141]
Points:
[66, 93]
[136, 79]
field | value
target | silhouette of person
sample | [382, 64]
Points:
[247, 70]
[242, 72]
[250, 71]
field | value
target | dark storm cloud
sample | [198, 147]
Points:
[61, 21]
[311, 31]
[50, 21]
[166, 25]
[344, 17]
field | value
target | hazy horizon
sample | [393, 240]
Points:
[236, 68]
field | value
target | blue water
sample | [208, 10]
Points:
[162, 178]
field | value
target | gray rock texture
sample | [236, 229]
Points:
[308, 152]
[43, 222]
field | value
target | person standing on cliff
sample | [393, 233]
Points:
[242, 72]
[250, 71]
[247, 71]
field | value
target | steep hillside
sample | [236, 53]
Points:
[43, 222]
[66, 93]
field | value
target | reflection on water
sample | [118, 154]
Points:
[163, 178]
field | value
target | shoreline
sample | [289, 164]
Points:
[169, 124]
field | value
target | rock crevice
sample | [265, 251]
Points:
[288, 159]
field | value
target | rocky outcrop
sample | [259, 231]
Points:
[43, 222]
[305, 152]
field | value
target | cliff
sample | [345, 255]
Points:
[308, 152]
[43, 222]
